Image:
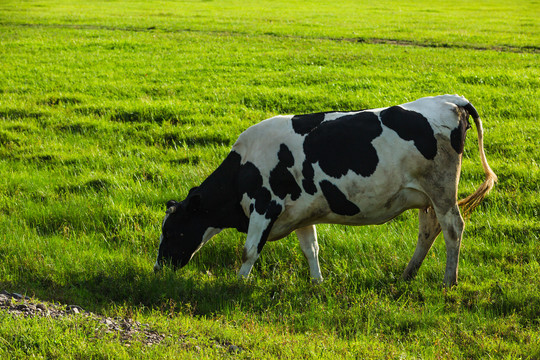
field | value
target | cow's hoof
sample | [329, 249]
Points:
[449, 284]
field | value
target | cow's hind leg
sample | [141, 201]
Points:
[452, 227]
[307, 236]
[428, 230]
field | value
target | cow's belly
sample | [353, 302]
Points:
[373, 210]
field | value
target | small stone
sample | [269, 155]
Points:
[74, 309]
[17, 296]
[125, 328]
[20, 297]
[234, 349]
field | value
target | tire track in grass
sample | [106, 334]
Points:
[363, 40]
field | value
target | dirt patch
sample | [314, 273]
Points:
[126, 329]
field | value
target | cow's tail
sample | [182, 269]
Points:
[468, 204]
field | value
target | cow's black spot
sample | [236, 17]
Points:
[249, 180]
[307, 182]
[337, 200]
[471, 110]
[341, 145]
[262, 200]
[273, 212]
[285, 156]
[457, 138]
[281, 180]
[303, 124]
[410, 125]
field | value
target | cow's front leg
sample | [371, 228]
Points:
[428, 230]
[258, 231]
[307, 236]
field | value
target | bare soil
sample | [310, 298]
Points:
[126, 329]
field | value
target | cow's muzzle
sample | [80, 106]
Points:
[157, 267]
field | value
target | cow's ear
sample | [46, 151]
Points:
[193, 203]
[172, 205]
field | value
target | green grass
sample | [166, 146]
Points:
[108, 109]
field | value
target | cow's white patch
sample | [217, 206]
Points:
[157, 267]
[165, 219]
[162, 225]
[208, 234]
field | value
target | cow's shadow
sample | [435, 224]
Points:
[193, 292]
[168, 291]
[199, 288]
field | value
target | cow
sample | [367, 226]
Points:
[289, 173]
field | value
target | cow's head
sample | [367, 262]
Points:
[185, 229]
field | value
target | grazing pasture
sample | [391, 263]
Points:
[110, 108]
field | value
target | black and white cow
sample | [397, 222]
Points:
[289, 173]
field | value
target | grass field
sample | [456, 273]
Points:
[110, 108]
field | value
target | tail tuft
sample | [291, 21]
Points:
[472, 201]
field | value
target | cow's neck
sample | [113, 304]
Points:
[220, 196]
